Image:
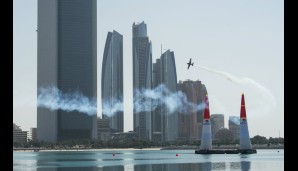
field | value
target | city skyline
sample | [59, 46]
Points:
[224, 41]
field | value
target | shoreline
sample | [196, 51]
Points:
[91, 149]
[127, 149]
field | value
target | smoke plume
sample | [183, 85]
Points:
[263, 103]
[150, 99]
[144, 100]
[53, 99]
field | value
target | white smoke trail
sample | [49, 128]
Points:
[110, 108]
[54, 99]
[264, 103]
[150, 99]
[145, 100]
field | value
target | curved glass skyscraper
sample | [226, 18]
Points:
[142, 76]
[112, 80]
[164, 72]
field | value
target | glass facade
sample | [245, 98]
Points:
[112, 79]
[164, 72]
[142, 76]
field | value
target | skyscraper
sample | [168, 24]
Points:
[190, 124]
[164, 72]
[142, 76]
[66, 53]
[217, 122]
[112, 79]
[156, 115]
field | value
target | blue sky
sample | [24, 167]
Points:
[243, 38]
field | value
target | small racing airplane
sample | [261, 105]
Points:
[189, 64]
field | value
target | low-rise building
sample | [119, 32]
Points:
[19, 135]
[217, 122]
[103, 129]
[33, 134]
[234, 126]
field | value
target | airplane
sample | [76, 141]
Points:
[189, 64]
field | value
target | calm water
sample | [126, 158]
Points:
[148, 160]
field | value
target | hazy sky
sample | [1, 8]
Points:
[242, 38]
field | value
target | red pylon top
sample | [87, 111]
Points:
[242, 109]
[206, 111]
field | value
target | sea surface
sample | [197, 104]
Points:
[148, 160]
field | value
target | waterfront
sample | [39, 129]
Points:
[139, 160]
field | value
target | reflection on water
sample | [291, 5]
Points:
[174, 167]
[208, 166]
[151, 160]
[245, 166]
[158, 167]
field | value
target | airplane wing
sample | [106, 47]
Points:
[189, 63]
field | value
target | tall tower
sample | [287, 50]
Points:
[165, 121]
[112, 79]
[142, 76]
[206, 140]
[244, 134]
[66, 59]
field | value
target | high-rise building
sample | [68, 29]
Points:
[112, 79]
[164, 73]
[19, 136]
[190, 123]
[234, 126]
[156, 114]
[66, 50]
[217, 122]
[142, 76]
